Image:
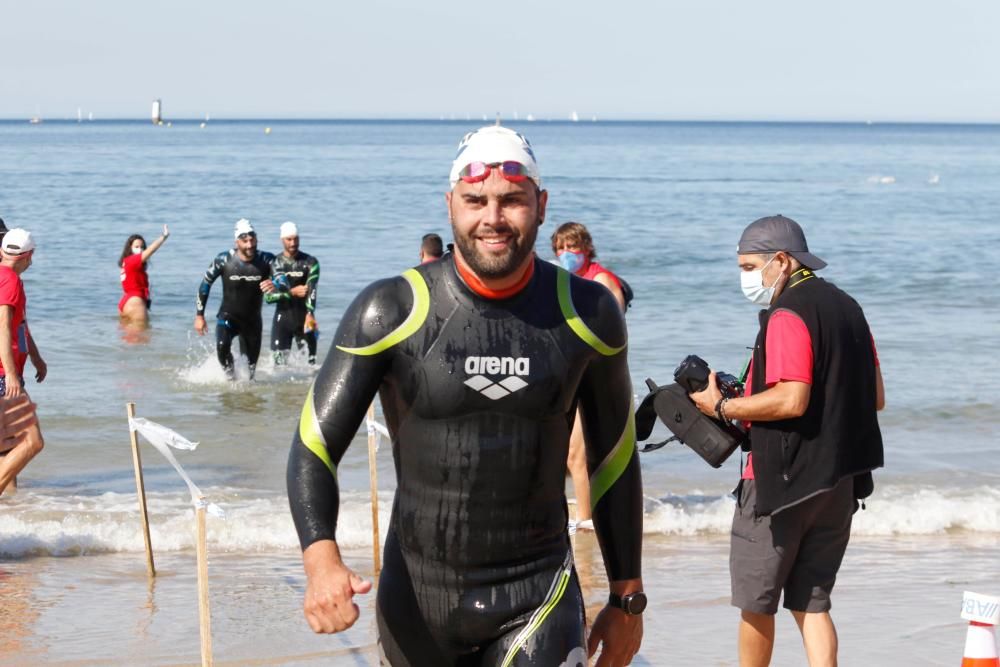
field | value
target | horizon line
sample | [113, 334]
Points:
[566, 121]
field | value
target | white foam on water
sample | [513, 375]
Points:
[38, 525]
[35, 525]
[204, 369]
[894, 510]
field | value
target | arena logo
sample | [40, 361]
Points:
[510, 367]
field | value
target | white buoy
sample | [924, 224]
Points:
[157, 113]
[267, 130]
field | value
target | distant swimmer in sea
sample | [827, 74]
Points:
[296, 277]
[246, 278]
[431, 248]
[480, 361]
[20, 437]
[135, 303]
[574, 247]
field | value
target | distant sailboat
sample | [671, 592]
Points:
[37, 118]
[79, 115]
[157, 113]
[530, 118]
[574, 117]
[90, 116]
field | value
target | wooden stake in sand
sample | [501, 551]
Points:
[140, 488]
[373, 478]
[204, 613]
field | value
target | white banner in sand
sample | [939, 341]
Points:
[163, 439]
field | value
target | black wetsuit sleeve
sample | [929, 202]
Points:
[605, 400]
[336, 405]
[213, 272]
[312, 283]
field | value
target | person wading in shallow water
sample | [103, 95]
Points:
[246, 278]
[135, 303]
[20, 436]
[296, 277]
[480, 360]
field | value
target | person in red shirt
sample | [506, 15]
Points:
[574, 248]
[22, 441]
[813, 393]
[134, 304]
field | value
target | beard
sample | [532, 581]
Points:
[493, 265]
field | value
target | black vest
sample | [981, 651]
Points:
[838, 435]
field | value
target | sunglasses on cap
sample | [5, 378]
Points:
[247, 235]
[475, 172]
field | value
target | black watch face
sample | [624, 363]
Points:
[635, 603]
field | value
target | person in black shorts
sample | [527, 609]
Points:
[246, 277]
[296, 278]
[480, 361]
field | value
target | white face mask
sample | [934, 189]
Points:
[752, 283]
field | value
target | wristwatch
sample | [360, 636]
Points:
[632, 604]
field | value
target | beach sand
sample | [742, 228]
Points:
[102, 610]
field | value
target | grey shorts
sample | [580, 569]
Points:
[798, 550]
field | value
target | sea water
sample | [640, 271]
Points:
[908, 217]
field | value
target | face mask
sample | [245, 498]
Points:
[137, 250]
[571, 261]
[752, 283]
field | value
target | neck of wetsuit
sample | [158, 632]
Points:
[477, 285]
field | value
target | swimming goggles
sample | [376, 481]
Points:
[475, 172]
[247, 235]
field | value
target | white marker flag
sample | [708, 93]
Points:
[378, 430]
[163, 439]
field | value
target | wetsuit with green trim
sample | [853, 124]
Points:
[290, 311]
[479, 396]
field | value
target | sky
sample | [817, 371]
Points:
[849, 60]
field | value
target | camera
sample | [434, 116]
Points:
[692, 374]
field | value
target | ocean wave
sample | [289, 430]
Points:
[72, 525]
[894, 510]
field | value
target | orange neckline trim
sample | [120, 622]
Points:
[477, 286]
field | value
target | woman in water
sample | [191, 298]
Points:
[574, 248]
[135, 303]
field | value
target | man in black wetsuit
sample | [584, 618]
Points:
[296, 277]
[480, 361]
[246, 277]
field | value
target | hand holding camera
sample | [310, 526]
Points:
[707, 389]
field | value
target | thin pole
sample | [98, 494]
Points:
[140, 488]
[204, 613]
[373, 478]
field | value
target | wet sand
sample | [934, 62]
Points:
[102, 610]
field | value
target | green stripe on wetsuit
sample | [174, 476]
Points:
[614, 465]
[575, 323]
[311, 436]
[413, 321]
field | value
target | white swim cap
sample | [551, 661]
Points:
[288, 229]
[494, 144]
[243, 226]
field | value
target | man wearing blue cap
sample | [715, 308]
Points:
[813, 389]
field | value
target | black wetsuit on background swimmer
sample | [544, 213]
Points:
[479, 396]
[239, 312]
[290, 311]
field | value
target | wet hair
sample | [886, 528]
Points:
[127, 250]
[574, 233]
[432, 245]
